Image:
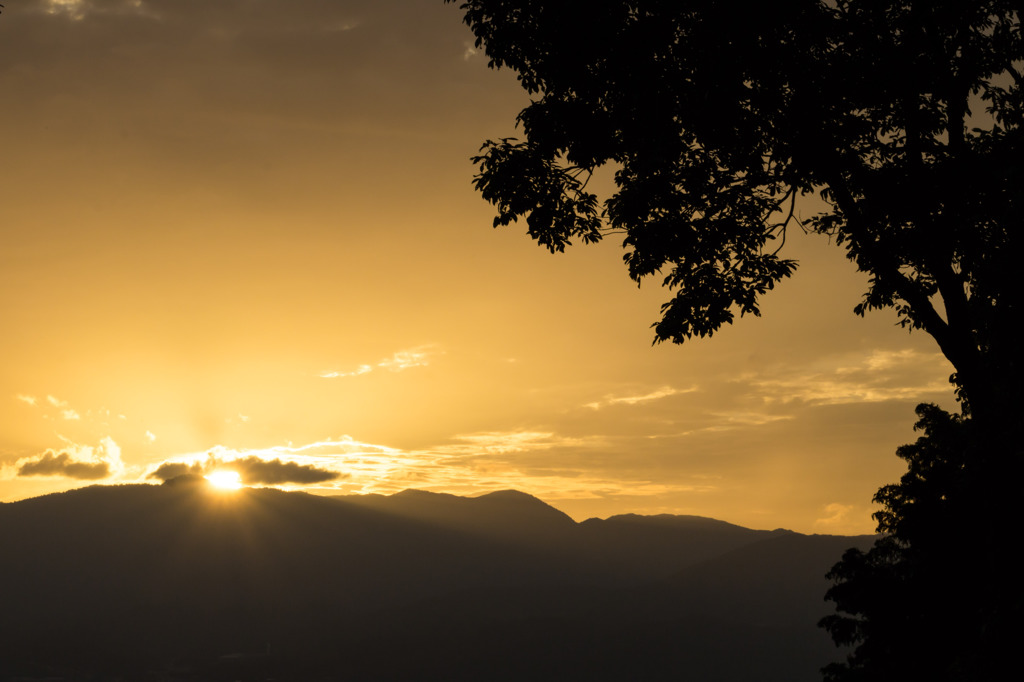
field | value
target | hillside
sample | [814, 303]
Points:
[184, 581]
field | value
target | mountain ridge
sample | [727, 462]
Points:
[113, 580]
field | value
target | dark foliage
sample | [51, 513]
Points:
[932, 599]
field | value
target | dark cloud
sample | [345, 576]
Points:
[252, 470]
[273, 472]
[61, 464]
[169, 470]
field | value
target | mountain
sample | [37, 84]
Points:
[506, 514]
[182, 581]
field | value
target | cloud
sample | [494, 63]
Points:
[879, 376]
[53, 407]
[886, 359]
[399, 361]
[662, 392]
[78, 9]
[276, 472]
[362, 369]
[75, 9]
[252, 470]
[65, 411]
[169, 470]
[84, 462]
[406, 359]
[344, 445]
[51, 463]
[728, 421]
[503, 442]
[837, 515]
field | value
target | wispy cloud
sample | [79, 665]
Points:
[719, 422]
[880, 360]
[657, 394]
[420, 356]
[78, 9]
[66, 412]
[75, 9]
[502, 442]
[877, 377]
[407, 359]
[824, 390]
[343, 445]
[841, 519]
[362, 369]
[728, 420]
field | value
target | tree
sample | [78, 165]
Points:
[927, 602]
[905, 117]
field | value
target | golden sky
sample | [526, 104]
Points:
[245, 230]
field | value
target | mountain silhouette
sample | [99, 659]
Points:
[181, 581]
[506, 514]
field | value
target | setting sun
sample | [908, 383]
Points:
[224, 480]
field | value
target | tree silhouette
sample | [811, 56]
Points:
[928, 601]
[906, 118]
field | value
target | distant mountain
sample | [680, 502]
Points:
[506, 514]
[639, 547]
[181, 581]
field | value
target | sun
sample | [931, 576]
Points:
[224, 479]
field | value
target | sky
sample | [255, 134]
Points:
[243, 234]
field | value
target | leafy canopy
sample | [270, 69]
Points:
[904, 117]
